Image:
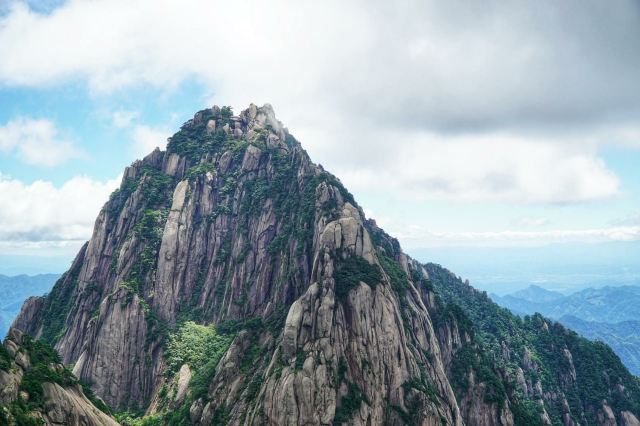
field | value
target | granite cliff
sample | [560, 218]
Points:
[230, 280]
[36, 389]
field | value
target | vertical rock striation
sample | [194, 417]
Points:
[234, 226]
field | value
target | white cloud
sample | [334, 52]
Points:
[40, 215]
[494, 167]
[37, 142]
[422, 63]
[146, 139]
[417, 237]
[123, 119]
[389, 96]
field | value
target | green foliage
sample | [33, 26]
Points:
[349, 404]
[198, 346]
[46, 367]
[334, 181]
[252, 324]
[301, 356]
[413, 401]
[130, 419]
[526, 412]
[156, 186]
[452, 313]
[599, 371]
[149, 228]
[252, 356]
[202, 379]
[195, 345]
[58, 304]
[254, 387]
[399, 283]
[91, 396]
[37, 375]
[220, 417]
[201, 169]
[120, 196]
[421, 385]
[468, 359]
[193, 141]
[92, 287]
[19, 411]
[5, 359]
[256, 192]
[225, 250]
[350, 271]
[397, 275]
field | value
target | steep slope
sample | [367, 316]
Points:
[36, 389]
[231, 280]
[593, 313]
[572, 380]
[623, 337]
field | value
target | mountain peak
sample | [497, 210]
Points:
[535, 293]
[230, 280]
[217, 129]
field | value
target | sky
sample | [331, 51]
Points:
[462, 127]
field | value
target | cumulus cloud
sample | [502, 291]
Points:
[424, 63]
[36, 142]
[513, 99]
[40, 214]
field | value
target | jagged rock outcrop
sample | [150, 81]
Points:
[36, 390]
[328, 321]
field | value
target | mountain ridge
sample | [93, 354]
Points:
[602, 304]
[606, 313]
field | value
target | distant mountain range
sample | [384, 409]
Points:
[609, 314]
[14, 291]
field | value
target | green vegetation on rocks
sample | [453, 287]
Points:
[599, 373]
[5, 359]
[195, 345]
[350, 271]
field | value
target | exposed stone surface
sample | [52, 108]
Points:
[234, 223]
[629, 419]
[60, 406]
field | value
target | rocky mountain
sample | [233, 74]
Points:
[230, 280]
[15, 290]
[623, 337]
[35, 388]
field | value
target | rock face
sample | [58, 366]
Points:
[332, 323]
[33, 389]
